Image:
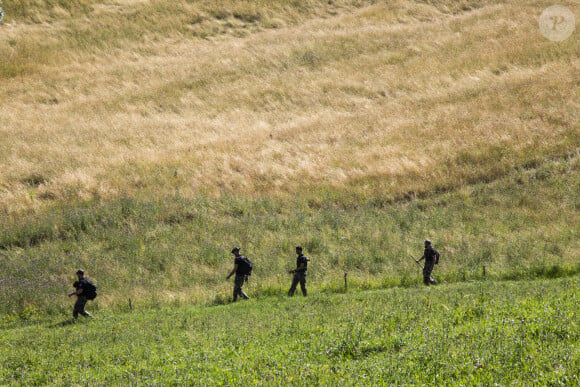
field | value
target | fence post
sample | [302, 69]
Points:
[345, 284]
[483, 271]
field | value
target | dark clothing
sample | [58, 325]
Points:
[299, 277]
[427, 269]
[80, 284]
[239, 279]
[301, 259]
[89, 290]
[239, 262]
[431, 259]
[81, 302]
[79, 307]
[238, 283]
[431, 255]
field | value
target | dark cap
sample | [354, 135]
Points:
[427, 242]
[299, 248]
[235, 249]
[81, 271]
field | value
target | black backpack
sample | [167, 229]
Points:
[89, 289]
[245, 266]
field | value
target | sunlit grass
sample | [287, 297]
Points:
[370, 113]
[176, 250]
[513, 333]
[141, 140]
[386, 101]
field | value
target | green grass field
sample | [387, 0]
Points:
[177, 251]
[479, 333]
[141, 140]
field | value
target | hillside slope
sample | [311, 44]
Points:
[177, 250]
[140, 140]
[104, 99]
[518, 333]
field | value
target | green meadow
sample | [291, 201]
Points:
[140, 140]
[177, 251]
[164, 316]
[518, 333]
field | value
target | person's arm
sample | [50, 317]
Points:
[77, 292]
[302, 266]
[436, 257]
[233, 271]
[420, 259]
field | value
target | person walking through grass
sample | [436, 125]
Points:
[84, 290]
[242, 271]
[299, 272]
[431, 257]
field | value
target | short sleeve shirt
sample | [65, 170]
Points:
[79, 284]
[430, 254]
[238, 261]
[302, 259]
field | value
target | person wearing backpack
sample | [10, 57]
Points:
[299, 272]
[242, 269]
[84, 290]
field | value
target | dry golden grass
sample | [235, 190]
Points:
[380, 101]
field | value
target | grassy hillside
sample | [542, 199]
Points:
[142, 139]
[111, 99]
[485, 333]
[177, 250]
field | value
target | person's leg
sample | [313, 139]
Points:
[303, 283]
[238, 283]
[237, 289]
[427, 273]
[295, 281]
[79, 307]
[243, 279]
[432, 280]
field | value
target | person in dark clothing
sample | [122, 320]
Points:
[83, 288]
[299, 272]
[240, 277]
[431, 257]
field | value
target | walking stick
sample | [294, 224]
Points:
[417, 262]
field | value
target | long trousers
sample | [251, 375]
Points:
[79, 307]
[238, 283]
[299, 277]
[427, 270]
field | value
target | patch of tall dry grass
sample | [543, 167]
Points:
[387, 100]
